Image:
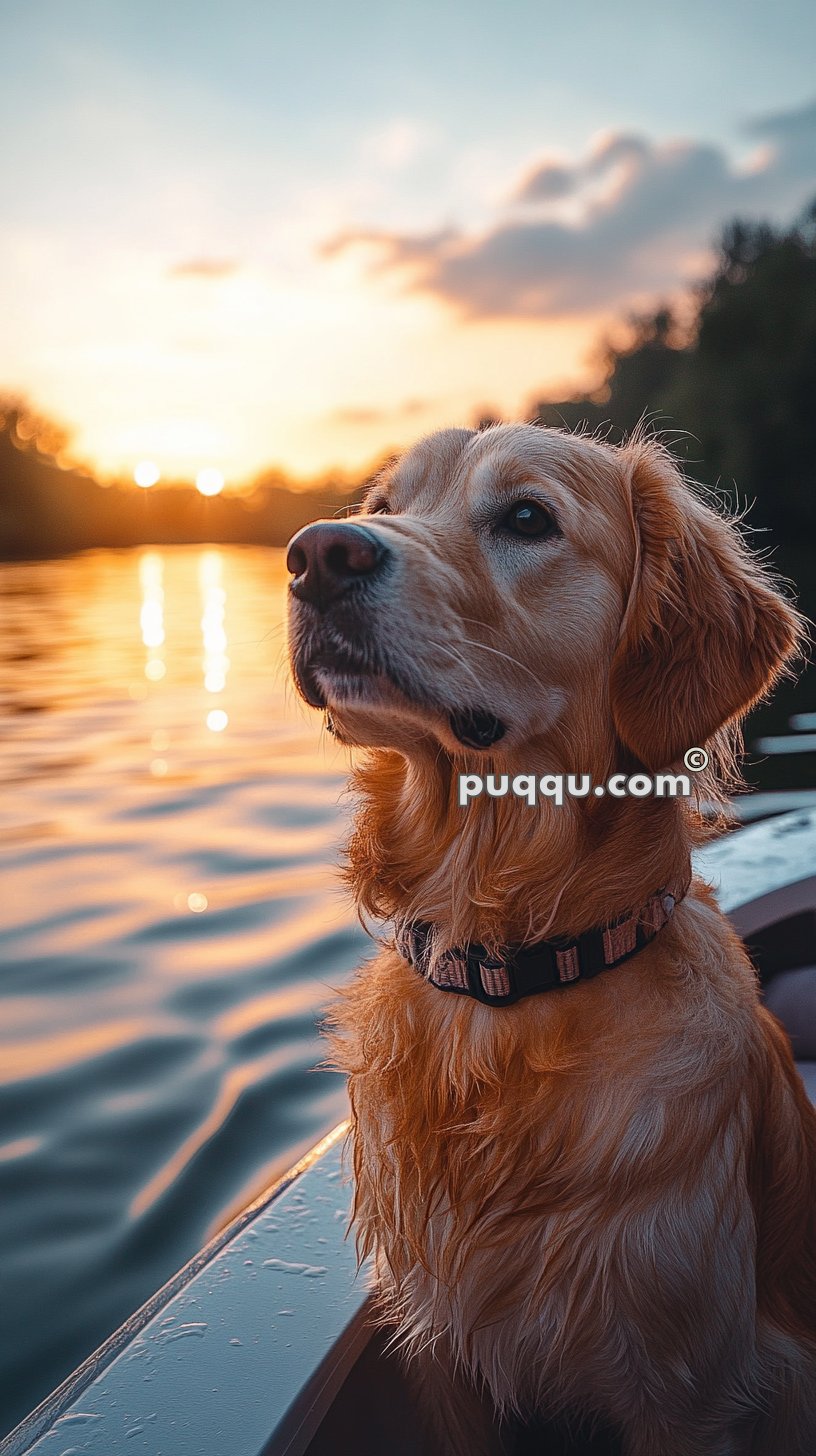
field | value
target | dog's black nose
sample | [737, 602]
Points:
[327, 557]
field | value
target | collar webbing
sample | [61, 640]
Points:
[501, 977]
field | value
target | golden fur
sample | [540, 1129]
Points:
[602, 1198]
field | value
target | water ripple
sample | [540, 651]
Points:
[170, 932]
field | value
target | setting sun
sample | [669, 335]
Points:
[210, 481]
[146, 473]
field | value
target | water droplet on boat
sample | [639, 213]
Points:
[309, 1271]
[197, 1328]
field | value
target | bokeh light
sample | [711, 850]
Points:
[210, 481]
[147, 473]
[217, 720]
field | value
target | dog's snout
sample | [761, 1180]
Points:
[327, 557]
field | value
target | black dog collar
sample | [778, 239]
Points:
[499, 979]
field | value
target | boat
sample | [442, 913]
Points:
[264, 1345]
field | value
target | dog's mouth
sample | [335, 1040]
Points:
[334, 674]
[339, 675]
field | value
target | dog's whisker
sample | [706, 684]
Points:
[476, 621]
[457, 657]
[497, 653]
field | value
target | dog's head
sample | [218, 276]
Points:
[520, 584]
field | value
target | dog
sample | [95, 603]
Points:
[601, 1199]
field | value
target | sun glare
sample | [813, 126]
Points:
[210, 481]
[147, 473]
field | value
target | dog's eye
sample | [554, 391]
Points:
[528, 518]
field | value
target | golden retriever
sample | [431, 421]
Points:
[600, 1199]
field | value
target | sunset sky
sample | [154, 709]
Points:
[248, 234]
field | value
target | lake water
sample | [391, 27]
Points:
[170, 928]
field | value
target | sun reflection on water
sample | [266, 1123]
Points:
[170, 927]
[151, 578]
[213, 631]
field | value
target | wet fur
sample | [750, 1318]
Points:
[602, 1199]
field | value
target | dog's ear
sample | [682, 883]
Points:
[705, 633]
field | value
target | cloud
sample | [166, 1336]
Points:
[546, 182]
[204, 268]
[641, 214]
[793, 135]
[551, 180]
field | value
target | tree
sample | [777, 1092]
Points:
[740, 387]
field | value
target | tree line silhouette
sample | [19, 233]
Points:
[739, 377]
[731, 380]
[46, 510]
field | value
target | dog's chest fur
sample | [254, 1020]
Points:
[519, 1178]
